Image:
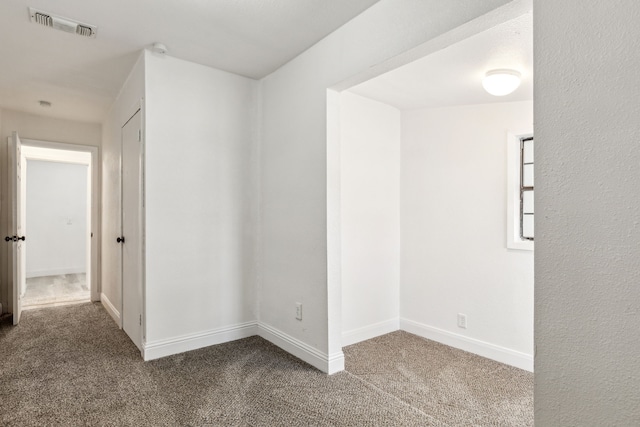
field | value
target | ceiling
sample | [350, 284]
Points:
[453, 76]
[81, 76]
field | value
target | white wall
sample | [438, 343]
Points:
[200, 203]
[200, 141]
[370, 215]
[588, 213]
[122, 109]
[30, 126]
[56, 218]
[453, 231]
[293, 169]
[4, 291]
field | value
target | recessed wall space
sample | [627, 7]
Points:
[426, 207]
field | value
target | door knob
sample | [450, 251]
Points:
[120, 239]
[10, 238]
[23, 238]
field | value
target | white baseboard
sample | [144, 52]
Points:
[481, 348]
[329, 364]
[371, 331]
[162, 348]
[113, 312]
[55, 272]
[167, 347]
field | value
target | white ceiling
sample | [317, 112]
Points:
[81, 77]
[453, 76]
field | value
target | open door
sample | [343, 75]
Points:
[18, 238]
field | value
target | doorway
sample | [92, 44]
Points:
[57, 213]
[58, 216]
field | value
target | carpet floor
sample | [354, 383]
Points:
[73, 366]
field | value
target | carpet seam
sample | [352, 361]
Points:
[362, 380]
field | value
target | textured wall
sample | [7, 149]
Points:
[587, 269]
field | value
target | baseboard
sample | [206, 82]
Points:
[55, 272]
[113, 312]
[371, 331]
[329, 364]
[481, 348]
[167, 347]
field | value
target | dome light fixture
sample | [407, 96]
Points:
[501, 82]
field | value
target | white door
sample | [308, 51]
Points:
[17, 238]
[131, 229]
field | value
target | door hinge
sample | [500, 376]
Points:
[141, 320]
[139, 135]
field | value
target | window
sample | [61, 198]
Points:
[526, 188]
[520, 190]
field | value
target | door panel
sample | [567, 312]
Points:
[131, 229]
[18, 238]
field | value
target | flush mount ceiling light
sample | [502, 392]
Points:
[501, 82]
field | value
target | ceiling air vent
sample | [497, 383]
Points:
[42, 19]
[63, 24]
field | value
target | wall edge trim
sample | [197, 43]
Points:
[111, 309]
[327, 363]
[471, 345]
[180, 344]
[370, 331]
[56, 272]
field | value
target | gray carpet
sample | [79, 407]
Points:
[73, 366]
[457, 387]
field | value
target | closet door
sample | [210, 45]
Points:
[131, 237]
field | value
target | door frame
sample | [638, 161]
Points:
[94, 235]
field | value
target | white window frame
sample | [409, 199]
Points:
[514, 241]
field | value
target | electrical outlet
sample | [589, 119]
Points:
[462, 321]
[299, 310]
